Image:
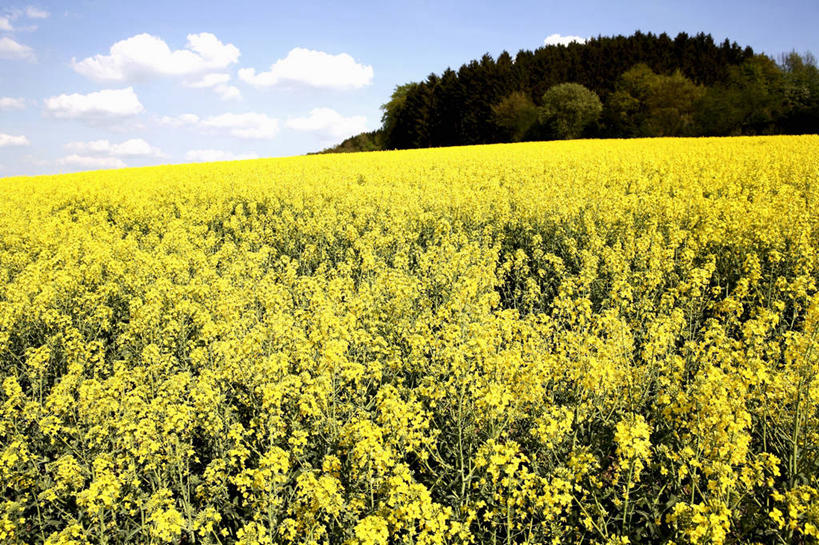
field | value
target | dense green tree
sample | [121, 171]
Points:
[393, 109]
[568, 108]
[650, 85]
[719, 112]
[457, 107]
[366, 141]
[671, 106]
[649, 104]
[446, 113]
[409, 121]
[801, 93]
[749, 101]
[760, 82]
[515, 115]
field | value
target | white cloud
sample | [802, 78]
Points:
[33, 12]
[85, 162]
[328, 123]
[312, 68]
[135, 147]
[9, 103]
[228, 92]
[210, 155]
[5, 24]
[249, 125]
[557, 39]
[180, 120]
[218, 82]
[144, 56]
[95, 146]
[10, 140]
[98, 106]
[210, 80]
[325, 122]
[9, 49]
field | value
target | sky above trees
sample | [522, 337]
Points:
[100, 84]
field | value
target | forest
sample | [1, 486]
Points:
[643, 85]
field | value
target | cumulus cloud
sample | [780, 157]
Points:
[210, 155]
[306, 67]
[228, 92]
[5, 24]
[247, 125]
[250, 125]
[12, 50]
[210, 80]
[217, 82]
[108, 104]
[328, 123]
[33, 12]
[7, 140]
[135, 147]
[87, 162]
[144, 56]
[559, 39]
[9, 103]
[179, 120]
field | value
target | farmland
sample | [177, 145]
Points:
[566, 342]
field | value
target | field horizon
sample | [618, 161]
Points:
[557, 143]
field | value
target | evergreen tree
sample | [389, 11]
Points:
[459, 106]
[650, 85]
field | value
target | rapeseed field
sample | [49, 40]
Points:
[600, 342]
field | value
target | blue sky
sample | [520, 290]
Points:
[99, 84]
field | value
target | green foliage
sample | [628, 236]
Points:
[396, 102]
[395, 106]
[457, 106]
[366, 141]
[650, 104]
[751, 101]
[568, 108]
[650, 85]
[801, 92]
[515, 115]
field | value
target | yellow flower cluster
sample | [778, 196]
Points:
[631, 436]
[568, 342]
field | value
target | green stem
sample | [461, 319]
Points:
[795, 438]
[626, 498]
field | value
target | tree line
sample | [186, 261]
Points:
[641, 85]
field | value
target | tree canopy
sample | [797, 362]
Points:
[647, 85]
[568, 108]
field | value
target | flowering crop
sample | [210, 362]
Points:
[570, 342]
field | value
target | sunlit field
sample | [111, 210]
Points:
[570, 342]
